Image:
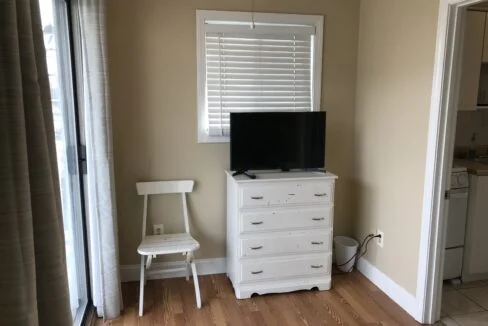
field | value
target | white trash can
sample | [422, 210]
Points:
[345, 249]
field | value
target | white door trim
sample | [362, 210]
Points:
[443, 113]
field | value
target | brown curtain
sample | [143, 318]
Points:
[33, 277]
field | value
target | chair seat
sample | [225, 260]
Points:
[167, 244]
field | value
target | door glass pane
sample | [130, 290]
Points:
[56, 40]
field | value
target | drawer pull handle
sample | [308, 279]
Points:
[256, 197]
[291, 194]
[257, 248]
[257, 223]
[318, 218]
[257, 272]
[317, 242]
[320, 195]
[317, 266]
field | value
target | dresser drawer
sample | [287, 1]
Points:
[283, 219]
[287, 193]
[286, 243]
[260, 269]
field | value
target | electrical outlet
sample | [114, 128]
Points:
[380, 241]
[158, 229]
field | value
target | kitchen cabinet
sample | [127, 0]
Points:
[471, 59]
[476, 244]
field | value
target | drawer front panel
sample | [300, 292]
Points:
[298, 242]
[259, 269]
[271, 220]
[287, 193]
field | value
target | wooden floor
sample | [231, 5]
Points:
[353, 300]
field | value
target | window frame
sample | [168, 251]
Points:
[65, 61]
[317, 21]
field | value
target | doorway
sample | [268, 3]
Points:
[443, 247]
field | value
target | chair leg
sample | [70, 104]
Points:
[197, 287]
[145, 279]
[188, 259]
[141, 288]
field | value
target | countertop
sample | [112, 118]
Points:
[473, 167]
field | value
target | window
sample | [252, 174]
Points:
[54, 16]
[255, 62]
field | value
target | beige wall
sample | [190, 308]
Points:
[395, 69]
[151, 54]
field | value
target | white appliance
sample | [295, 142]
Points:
[475, 261]
[456, 223]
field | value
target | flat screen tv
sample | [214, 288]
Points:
[278, 140]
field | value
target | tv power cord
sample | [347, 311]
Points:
[364, 244]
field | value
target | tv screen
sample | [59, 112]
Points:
[278, 140]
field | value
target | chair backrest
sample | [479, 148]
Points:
[164, 187]
[161, 188]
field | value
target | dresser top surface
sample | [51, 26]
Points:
[283, 176]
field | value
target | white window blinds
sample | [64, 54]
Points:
[265, 69]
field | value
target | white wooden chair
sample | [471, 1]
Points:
[153, 245]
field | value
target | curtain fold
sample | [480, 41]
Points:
[92, 75]
[33, 276]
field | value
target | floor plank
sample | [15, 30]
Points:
[353, 300]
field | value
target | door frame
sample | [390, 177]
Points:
[440, 148]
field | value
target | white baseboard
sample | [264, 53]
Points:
[130, 273]
[402, 297]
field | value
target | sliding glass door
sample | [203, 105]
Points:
[57, 41]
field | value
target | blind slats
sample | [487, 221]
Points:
[255, 109]
[257, 83]
[245, 29]
[250, 101]
[244, 95]
[239, 40]
[265, 71]
[261, 39]
[249, 89]
[212, 48]
[228, 59]
[243, 53]
[293, 71]
[218, 66]
[269, 79]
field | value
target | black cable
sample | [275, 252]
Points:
[369, 236]
[365, 251]
[358, 253]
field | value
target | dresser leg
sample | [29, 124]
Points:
[243, 294]
[324, 286]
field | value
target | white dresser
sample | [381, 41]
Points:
[279, 232]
